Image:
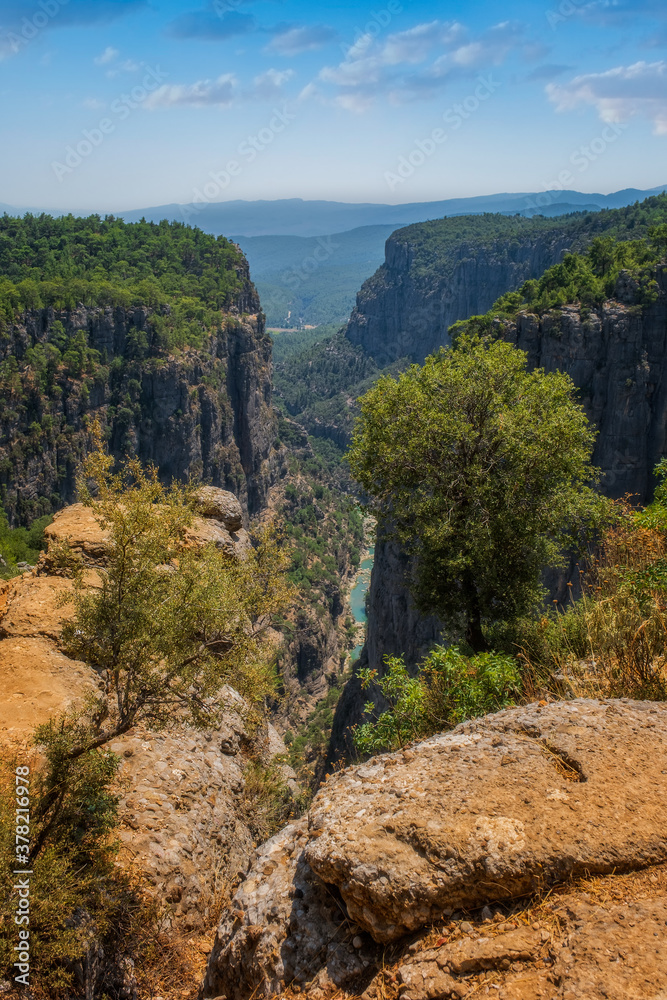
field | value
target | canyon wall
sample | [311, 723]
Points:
[204, 412]
[404, 311]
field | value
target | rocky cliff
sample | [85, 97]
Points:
[184, 815]
[436, 273]
[402, 312]
[616, 356]
[404, 879]
[204, 412]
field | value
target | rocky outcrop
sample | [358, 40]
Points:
[501, 807]
[616, 356]
[205, 413]
[221, 524]
[405, 310]
[184, 815]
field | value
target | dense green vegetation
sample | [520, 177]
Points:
[321, 372]
[313, 279]
[290, 343]
[59, 361]
[183, 274]
[480, 467]
[447, 689]
[319, 387]
[612, 640]
[586, 279]
[435, 245]
[327, 530]
[20, 544]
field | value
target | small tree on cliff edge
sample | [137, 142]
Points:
[480, 468]
[165, 628]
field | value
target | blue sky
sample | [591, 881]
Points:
[120, 104]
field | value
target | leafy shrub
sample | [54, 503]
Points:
[20, 544]
[448, 689]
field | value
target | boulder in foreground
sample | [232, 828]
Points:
[500, 807]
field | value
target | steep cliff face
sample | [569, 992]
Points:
[617, 358]
[403, 312]
[204, 412]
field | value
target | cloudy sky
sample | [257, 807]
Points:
[120, 104]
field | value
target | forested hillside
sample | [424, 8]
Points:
[155, 331]
[436, 273]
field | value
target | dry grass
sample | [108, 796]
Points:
[612, 642]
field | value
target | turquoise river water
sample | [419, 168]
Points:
[358, 596]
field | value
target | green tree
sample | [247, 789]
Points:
[168, 626]
[481, 469]
[601, 253]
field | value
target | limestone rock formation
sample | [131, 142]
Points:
[616, 357]
[402, 313]
[89, 541]
[500, 807]
[219, 505]
[204, 412]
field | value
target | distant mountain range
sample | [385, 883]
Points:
[309, 258]
[295, 217]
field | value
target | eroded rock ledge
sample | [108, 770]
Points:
[500, 807]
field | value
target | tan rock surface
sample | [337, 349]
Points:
[77, 525]
[283, 926]
[181, 815]
[234, 543]
[499, 807]
[37, 681]
[33, 606]
[220, 505]
[183, 811]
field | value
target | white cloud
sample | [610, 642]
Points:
[92, 104]
[414, 45]
[218, 93]
[292, 41]
[269, 85]
[127, 66]
[419, 62]
[107, 56]
[612, 13]
[619, 94]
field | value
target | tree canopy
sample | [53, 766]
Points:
[184, 275]
[483, 471]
